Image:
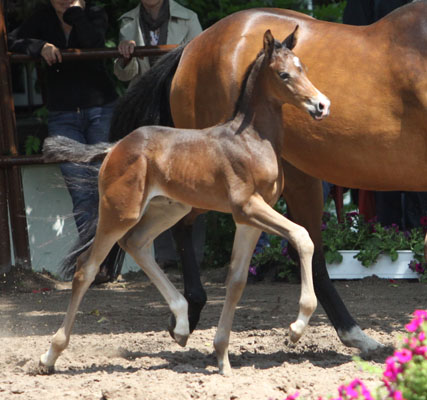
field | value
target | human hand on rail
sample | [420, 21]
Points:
[78, 3]
[51, 54]
[126, 48]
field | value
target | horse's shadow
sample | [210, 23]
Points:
[195, 361]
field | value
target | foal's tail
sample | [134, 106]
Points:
[61, 149]
[147, 101]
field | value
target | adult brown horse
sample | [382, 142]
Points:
[376, 137]
[154, 176]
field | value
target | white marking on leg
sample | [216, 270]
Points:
[355, 337]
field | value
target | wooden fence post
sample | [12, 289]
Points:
[12, 195]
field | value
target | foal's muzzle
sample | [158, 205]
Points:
[319, 107]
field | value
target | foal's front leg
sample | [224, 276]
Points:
[258, 213]
[245, 240]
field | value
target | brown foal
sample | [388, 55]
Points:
[154, 176]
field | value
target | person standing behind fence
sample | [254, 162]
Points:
[152, 23]
[80, 95]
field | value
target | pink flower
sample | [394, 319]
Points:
[392, 369]
[421, 314]
[422, 351]
[413, 325]
[292, 396]
[403, 356]
[422, 336]
[397, 395]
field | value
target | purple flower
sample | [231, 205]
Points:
[252, 270]
[419, 268]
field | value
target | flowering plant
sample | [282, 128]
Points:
[371, 239]
[405, 373]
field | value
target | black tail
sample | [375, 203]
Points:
[147, 102]
[60, 148]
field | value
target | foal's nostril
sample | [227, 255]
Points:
[321, 106]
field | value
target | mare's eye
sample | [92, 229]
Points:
[284, 75]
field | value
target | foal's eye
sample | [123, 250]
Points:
[284, 75]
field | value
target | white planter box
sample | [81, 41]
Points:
[350, 268]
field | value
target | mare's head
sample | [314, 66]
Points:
[287, 79]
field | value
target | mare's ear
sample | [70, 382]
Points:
[291, 41]
[268, 44]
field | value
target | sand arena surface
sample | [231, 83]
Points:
[120, 348]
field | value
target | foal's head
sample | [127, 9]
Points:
[287, 79]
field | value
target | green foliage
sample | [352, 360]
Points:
[219, 239]
[32, 145]
[330, 12]
[274, 255]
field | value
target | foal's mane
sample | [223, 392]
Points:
[249, 80]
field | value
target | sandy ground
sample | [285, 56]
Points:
[120, 349]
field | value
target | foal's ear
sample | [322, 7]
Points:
[291, 41]
[268, 44]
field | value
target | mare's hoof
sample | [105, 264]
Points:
[171, 325]
[180, 339]
[44, 369]
[194, 310]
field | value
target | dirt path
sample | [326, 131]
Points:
[120, 349]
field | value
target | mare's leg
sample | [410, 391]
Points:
[303, 195]
[244, 244]
[160, 215]
[87, 267]
[193, 288]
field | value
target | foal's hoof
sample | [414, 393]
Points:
[295, 331]
[180, 339]
[45, 369]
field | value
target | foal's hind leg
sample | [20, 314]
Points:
[87, 267]
[245, 240]
[258, 213]
[160, 215]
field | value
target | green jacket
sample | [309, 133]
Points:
[183, 26]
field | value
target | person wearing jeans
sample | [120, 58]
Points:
[80, 95]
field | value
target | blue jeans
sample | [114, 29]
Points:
[89, 126]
